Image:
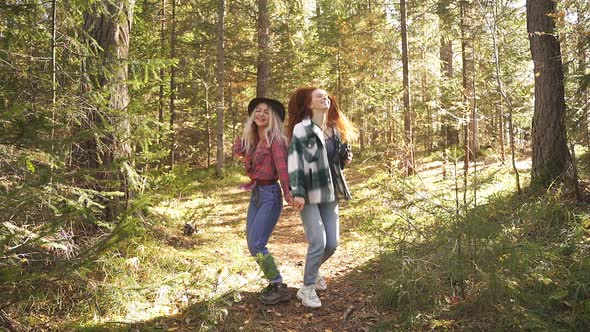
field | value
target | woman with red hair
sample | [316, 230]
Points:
[319, 134]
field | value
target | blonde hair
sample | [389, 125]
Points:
[274, 131]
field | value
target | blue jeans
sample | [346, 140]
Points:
[321, 225]
[265, 208]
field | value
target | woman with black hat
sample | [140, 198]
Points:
[264, 149]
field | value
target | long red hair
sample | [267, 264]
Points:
[298, 109]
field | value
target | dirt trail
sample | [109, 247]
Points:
[346, 305]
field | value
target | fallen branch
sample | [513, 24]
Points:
[9, 324]
[347, 312]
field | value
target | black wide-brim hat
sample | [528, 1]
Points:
[274, 104]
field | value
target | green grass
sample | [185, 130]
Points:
[502, 261]
[164, 273]
[156, 271]
[489, 260]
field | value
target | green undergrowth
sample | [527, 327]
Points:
[490, 259]
[156, 277]
[443, 256]
[165, 278]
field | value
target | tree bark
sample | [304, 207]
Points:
[494, 27]
[500, 131]
[467, 75]
[220, 86]
[425, 95]
[362, 130]
[172, 85]
[467, 68]
[53, 75]
[408, 137]
[234, 116]
[263, 69]
[161, 100]
[446, 68]
[583, 99]
[110, 29]
[208, 125]
[551, 158]
[53, 52]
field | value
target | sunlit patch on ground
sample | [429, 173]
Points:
[209, 279]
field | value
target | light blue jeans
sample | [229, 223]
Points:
[321, 225]
[265, 208]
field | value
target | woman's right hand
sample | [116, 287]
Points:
[298, 202]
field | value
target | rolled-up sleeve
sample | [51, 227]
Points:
[279, 153]
[239, 147]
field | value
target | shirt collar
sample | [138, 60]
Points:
[315, 128]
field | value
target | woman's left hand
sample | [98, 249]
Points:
[298, 202]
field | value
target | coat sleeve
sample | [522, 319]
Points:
[296, 170]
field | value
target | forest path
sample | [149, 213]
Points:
[225, 285]
[349, 303]
[346, 304]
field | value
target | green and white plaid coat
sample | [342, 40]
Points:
[309, 171]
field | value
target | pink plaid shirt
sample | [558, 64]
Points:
[266, 163]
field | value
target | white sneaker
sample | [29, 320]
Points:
[320, 283]
[308, 296]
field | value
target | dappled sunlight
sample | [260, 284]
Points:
[175, 210]
[127, 127]
[201, 267]
[397, 257]
[452, 255]
[218, 265]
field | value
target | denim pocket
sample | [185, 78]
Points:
[270, 193]
[269, 190]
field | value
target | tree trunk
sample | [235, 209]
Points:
[220, 85]
[53, 53]
[161, 100]
[424, 90]
[234, 116]
[263, 69]
[467, 75]
[362, 130]
[110, 29]
[467, 68]
[494, 27]
[474, 139]
[53, 75]
[172, 85]
[408, 137]
[513, 150]
[208, 125]
[446, 68]
[339, 73]
[551, 159]
[583, 99]
[500, 131]
[389, 125]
